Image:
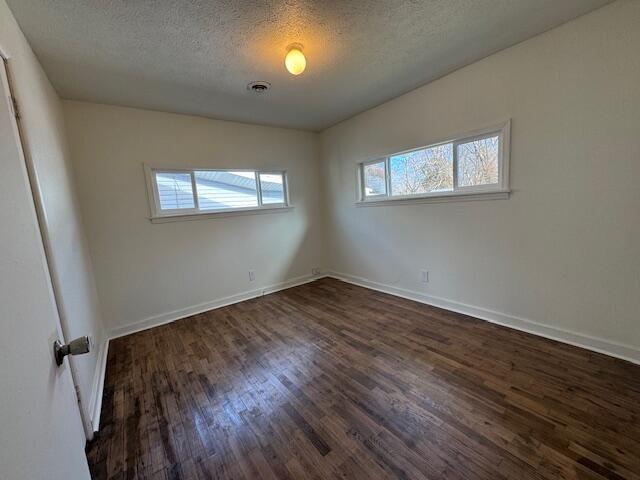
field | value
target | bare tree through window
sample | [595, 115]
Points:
[422, 171]
[443, 169]
[478, 162]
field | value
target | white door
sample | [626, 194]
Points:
[41, 434]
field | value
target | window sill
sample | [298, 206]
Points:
[440, 198]
[180, 217]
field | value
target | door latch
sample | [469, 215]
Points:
[75, 347]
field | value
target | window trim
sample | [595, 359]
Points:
[476, 192]
[157, 215]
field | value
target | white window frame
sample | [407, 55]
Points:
[475, 192]
[158, 215]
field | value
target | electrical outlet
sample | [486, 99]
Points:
[315, 271]
[252, 275]
[424, 276]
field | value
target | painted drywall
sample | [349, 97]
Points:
[564, 249]
[46, 147]
[147, 272]
[41, 435]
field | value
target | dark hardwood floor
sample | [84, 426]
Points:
[330, 380]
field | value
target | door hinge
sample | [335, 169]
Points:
[14, 105]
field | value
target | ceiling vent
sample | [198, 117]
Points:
[258, 87]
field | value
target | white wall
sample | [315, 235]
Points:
[44, 132]
[147, 272]
[564, 250]
[41, 434]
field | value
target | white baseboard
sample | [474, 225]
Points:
[618, 350]
[169, 317]
[97, 387]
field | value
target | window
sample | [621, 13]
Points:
[422, 171]
[374, 179]
[224, 190]
[180, 192]
[473, 164]
[175, 190]
[478, 162]
[272, 188]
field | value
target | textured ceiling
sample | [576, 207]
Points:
[197, 56]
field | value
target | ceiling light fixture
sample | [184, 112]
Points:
[295, 61]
